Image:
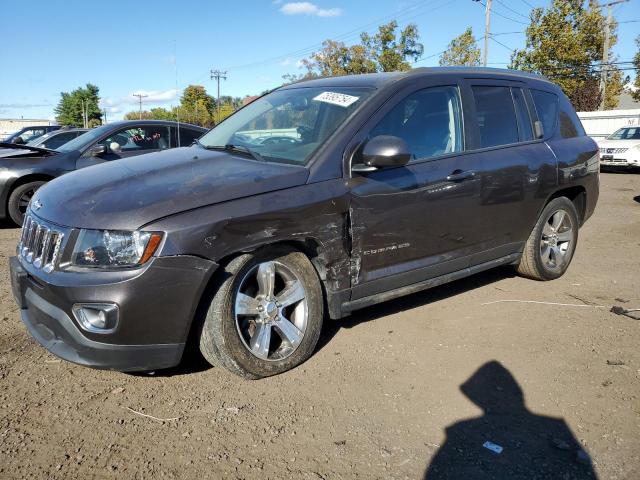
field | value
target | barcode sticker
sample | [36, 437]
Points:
[340, 99]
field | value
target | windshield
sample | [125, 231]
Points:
[627, 133]
[287, 125]
[85, 139]
[40, 140]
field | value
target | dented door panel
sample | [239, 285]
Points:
[413, 219]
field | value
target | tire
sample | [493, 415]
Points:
[242, 312]
[552, 243]
[19, 199]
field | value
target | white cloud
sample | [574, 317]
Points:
[299, 64]
[154, 96]
[285, 62]
[308, 8]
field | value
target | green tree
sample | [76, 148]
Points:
[69, 109]
[636, 63]
[390, 52]
[197, 106]
[565, 43]
[153, 114]
[462, 51]
[385, 51]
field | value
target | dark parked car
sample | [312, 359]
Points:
[27, 168]
[27, 134]
[57, 138]
[399, 182]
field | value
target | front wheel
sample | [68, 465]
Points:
[552, 243]
[266, 316]
[19, 200]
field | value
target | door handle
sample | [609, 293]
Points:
[459, 175]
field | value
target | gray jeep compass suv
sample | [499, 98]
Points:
[375, 186]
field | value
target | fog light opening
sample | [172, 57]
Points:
[96, 317]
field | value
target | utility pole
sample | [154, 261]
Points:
[140, 97]
[85, 114]
[604, 67]
[217, 75]
[487, 32]
[104, 116]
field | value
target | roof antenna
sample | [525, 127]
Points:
[175, 64]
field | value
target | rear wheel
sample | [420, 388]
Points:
[551, 245]
[19, 200]
[266, 316]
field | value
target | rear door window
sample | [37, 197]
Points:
[187, 136]
[546, 104]
[59, 140]
[429, 120]
[495, 115]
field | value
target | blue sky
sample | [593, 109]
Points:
[127, 47]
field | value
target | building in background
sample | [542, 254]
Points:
[601, 124]
[10, 125]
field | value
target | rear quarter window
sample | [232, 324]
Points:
[570, 124]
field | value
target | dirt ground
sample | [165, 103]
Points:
[408, 389]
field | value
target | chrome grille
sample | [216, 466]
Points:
[40, 244]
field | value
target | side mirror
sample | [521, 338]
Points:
[538, 131]
[384, 151]
[19, 141]
[97, 150]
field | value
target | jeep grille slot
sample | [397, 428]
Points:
[39, 244]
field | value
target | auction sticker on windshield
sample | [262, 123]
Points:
[340, 99]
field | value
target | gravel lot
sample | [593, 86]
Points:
[408, 389]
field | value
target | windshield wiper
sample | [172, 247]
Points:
[229, 147]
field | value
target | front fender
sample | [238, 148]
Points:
[315, 214]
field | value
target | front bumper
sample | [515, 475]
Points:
[156, 304]
[620, 160]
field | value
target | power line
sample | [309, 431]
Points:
[502, 15]
[527, 3]
[502, 44]
[411, 10]
[511, 9]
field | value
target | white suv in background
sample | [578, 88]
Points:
[621, 148]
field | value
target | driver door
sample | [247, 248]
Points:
[417, 221]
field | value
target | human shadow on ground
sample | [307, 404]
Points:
[533, 446]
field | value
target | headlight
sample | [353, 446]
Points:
[109, 248]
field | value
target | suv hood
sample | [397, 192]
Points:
[127, 194]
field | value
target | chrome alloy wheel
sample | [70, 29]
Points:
[271, 311]
[556, 244]
[25, 198]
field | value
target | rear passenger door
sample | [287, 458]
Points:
[516, 170]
